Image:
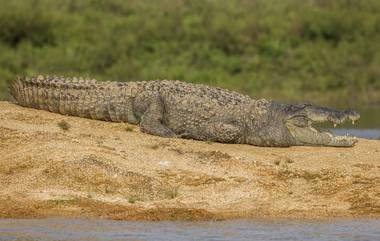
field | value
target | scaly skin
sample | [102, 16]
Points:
[177, 109]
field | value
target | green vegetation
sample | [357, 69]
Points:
[64, 125]
[129, 129]
[171, 192]
[319, 50]
[133, 199]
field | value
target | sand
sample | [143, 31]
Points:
[60, 166]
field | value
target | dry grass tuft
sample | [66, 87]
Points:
[133, 199]
[128, 129]
[154, 146]
[171, 192]
[64, 125]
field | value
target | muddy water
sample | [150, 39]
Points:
[372, 134]
[369, 118]
[67, 229]
[367, 127]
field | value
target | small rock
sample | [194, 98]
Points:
[164, 163]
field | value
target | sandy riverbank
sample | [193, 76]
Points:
[112, 170]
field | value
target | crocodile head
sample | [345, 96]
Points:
[300, 119]
[292, 125]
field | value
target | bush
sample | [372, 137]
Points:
[26, 21]
[322, 51]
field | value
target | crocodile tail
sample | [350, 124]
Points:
[30, 92]
[108, 101]
[55, 94]
[17, 90]
[14, 89]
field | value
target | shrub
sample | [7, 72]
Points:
[26, 21]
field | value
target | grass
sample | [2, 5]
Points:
[133, 199]
[288, 160]
[319, 51]
[128, 129]
[61, 202]
[178, 151]
[108, 190]
[285, 160]
[171, 192]
[65, 126]
[154, 146]
[312, 176]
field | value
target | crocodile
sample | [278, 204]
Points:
[183, 110]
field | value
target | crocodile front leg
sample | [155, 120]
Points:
[152, 119]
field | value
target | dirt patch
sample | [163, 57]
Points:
[88, 168]
[87, 208]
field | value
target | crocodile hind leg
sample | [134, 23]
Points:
[152, 119]
[223, 132]
[226, 127]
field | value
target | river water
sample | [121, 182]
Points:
[80, 229]
[373, 134]
[367, 127]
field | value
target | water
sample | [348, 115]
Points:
[68, 229]
[369, 119]
[372, 134]
[367, 127]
